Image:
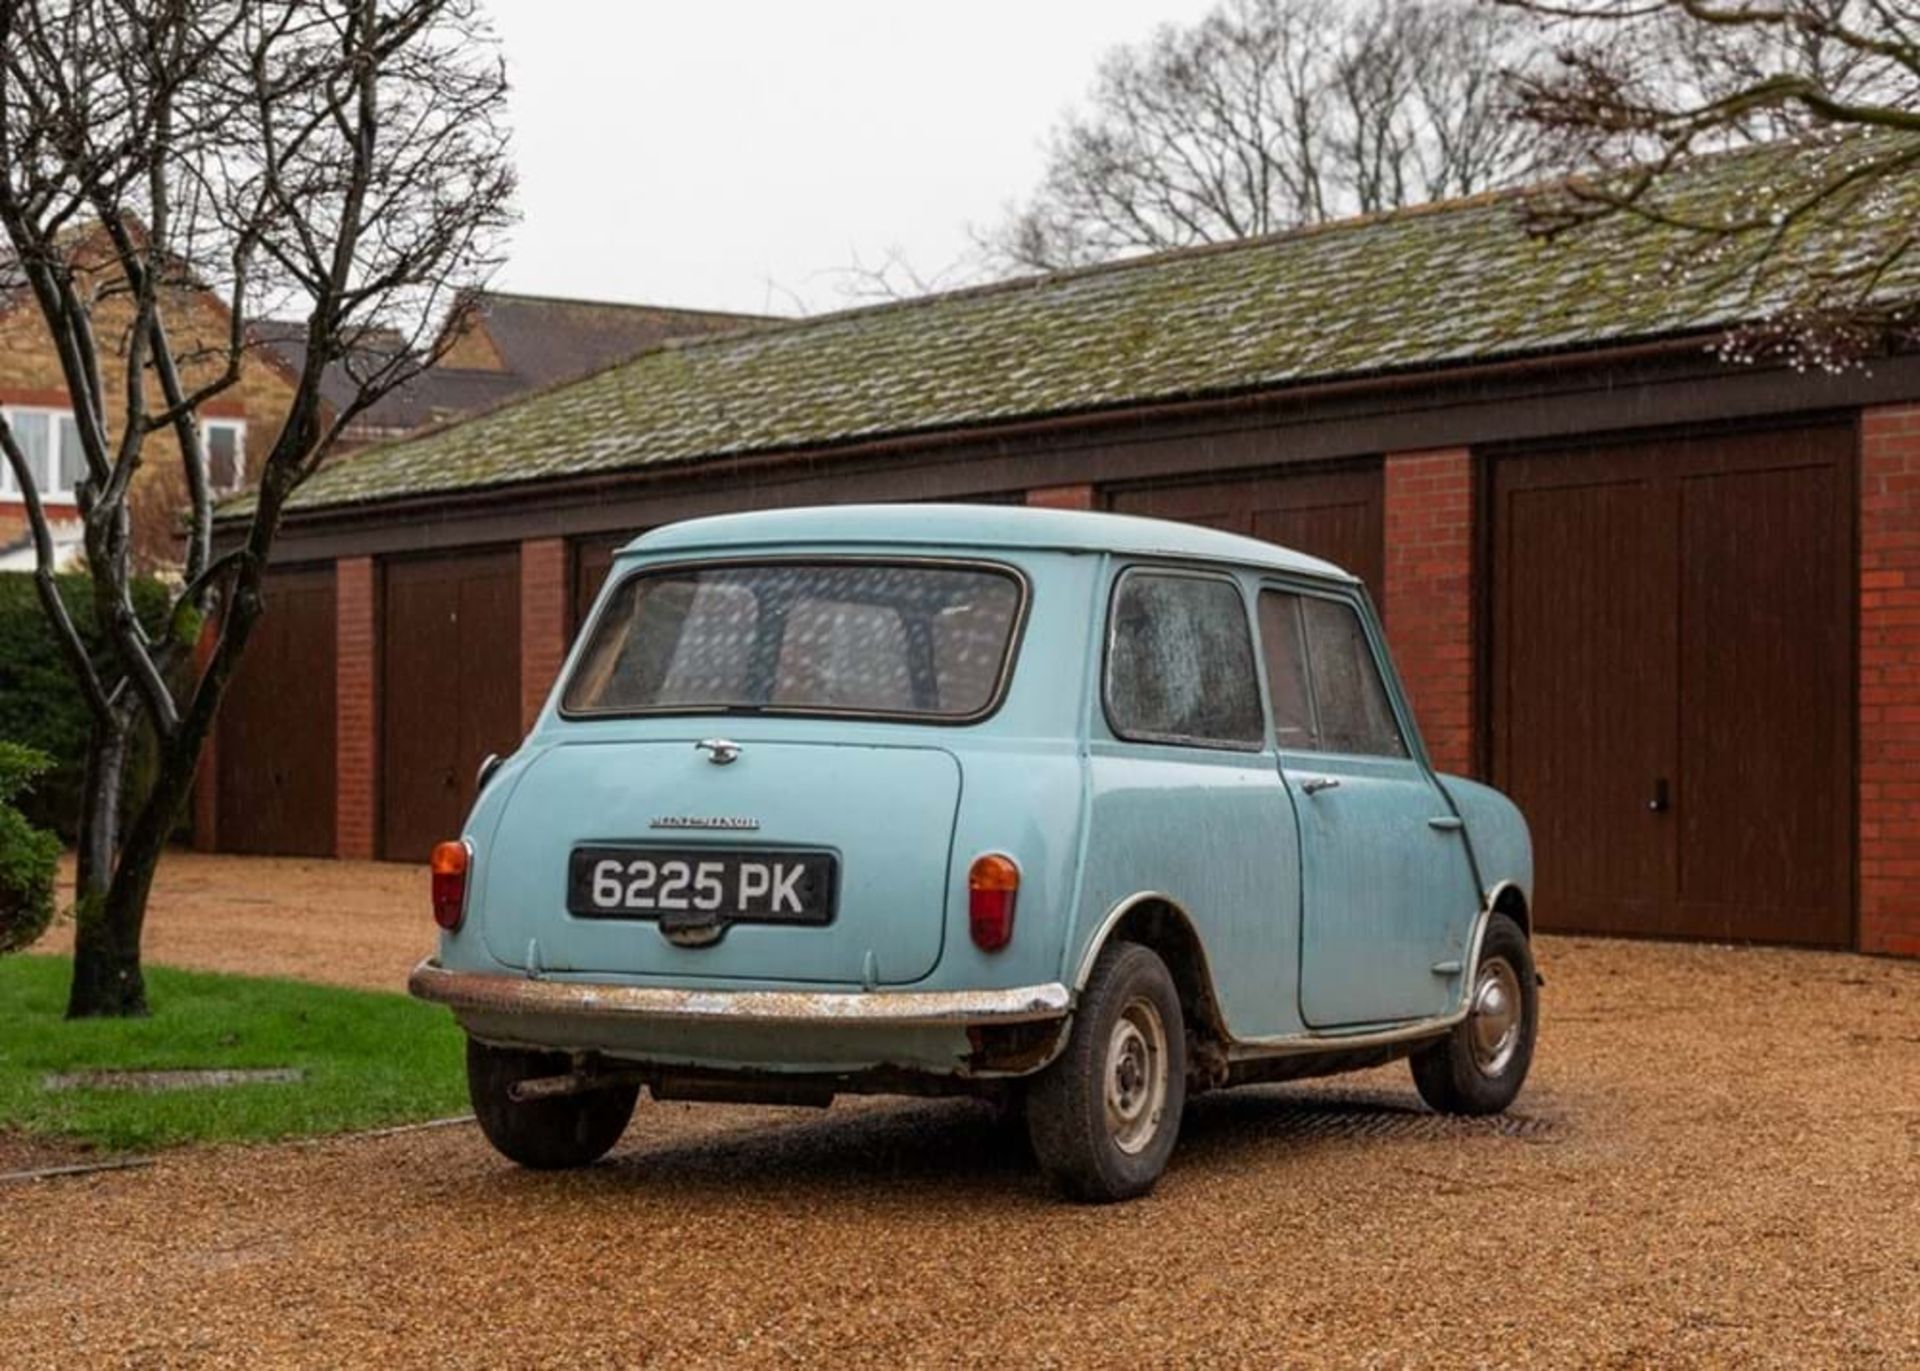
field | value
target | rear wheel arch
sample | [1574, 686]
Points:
[1158, 921]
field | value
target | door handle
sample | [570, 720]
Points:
[1313, 785]
[1661, 800]
[1447, 823]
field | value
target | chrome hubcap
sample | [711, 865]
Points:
[1494, 1025]
[1136, 1084]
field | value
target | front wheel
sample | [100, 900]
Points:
[553, 1134]
[1103, 1118]
[1479, 1067]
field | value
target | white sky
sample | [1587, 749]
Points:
[732, 155]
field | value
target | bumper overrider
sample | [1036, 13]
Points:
[944, 1031]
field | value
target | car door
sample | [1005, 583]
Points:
[1385, 873]
[1186, 800]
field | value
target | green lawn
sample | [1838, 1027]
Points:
[370, 1059]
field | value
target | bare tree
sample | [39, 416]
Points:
[1273, 113]
[341, 157]
[1638, 88]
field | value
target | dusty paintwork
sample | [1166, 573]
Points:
[1329, 903]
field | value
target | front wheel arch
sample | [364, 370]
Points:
[1508, 899]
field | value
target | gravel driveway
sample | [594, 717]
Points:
[1718, 1162]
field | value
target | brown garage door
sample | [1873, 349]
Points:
[1672, 683]
[450, 690]
[274, 759]
[1333, 515]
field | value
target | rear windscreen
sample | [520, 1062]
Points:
[886, 638]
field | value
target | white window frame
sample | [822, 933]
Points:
[49, 491]
[239, 427]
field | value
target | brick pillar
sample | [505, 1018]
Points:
[1063, 497]
[1427, 600]
[206, 779]
[543, 621]
[1889, 766]
[356, 709]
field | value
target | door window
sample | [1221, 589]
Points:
[1327, 691]
[1180, 662]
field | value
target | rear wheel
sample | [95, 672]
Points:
[1103, 1118]
[1479, 1067]
[551, 1134]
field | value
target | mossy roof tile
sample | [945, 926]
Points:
[1422, 289]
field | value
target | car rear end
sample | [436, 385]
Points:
[794, 811]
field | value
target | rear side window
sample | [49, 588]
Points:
[802, 637]
[1180, 662]
[1326, 686]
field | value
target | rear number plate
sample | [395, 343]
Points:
[734, 887]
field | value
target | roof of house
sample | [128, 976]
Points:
[523, 341]
[546, 340]
[964, 526]
[1414, 290]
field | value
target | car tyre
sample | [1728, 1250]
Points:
[1104, 1116]
[553, 1134]
[1479, 1067]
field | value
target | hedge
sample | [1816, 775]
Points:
[28, 856]
[41, 707]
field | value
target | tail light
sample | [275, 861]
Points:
[450, 862]
[993, 884]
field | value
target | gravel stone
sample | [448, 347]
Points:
[1717, 1162]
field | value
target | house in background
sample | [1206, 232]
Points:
[1670, 603]
[34, 398]
[507, 344]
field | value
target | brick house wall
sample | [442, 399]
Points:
[30, 375]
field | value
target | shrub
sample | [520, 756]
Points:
[28, 856]
[41, 707]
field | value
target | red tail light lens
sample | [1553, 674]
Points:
[450, 861]
[993, 884]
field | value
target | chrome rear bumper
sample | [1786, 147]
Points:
[470, 992]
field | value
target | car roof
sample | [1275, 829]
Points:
[969, 526]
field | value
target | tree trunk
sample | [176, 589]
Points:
[107, 980]
[106, 967]
[112, 905]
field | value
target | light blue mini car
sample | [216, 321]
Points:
[1075, 812]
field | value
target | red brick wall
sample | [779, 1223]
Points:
[543, 621]
[1063, 497]
[356, 707]
[1427, 599]
[1890, 680]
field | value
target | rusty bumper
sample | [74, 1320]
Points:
[475, 993]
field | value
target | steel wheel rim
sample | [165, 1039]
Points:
[1136, 1076]
[1494, 1025]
